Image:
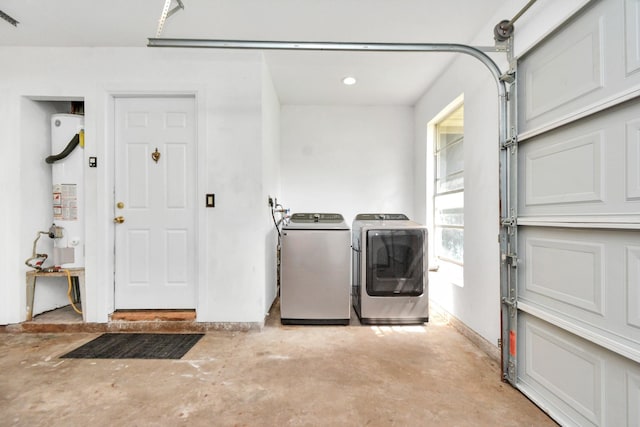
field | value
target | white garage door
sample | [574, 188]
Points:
[574, 346]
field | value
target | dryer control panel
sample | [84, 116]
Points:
[381, 217]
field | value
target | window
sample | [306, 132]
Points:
[449, 187]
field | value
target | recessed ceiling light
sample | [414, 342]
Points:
[349, 80]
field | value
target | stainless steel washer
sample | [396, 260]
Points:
[315, 270]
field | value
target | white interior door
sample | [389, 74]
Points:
[576, 341]
[155, 180]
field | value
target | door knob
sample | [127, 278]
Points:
[118, 219]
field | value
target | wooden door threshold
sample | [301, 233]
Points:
[154, 315]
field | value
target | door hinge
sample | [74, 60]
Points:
[512, 142]
[509, 222]
[511, 302]
[510, 375]
[510, 259]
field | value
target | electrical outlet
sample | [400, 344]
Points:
[211, 201]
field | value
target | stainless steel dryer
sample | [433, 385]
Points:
[315, 285]
[389, 270]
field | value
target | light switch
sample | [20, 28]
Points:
[211, 201]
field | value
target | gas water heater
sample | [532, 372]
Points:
[67, 141]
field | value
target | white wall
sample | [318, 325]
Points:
[477, 302]
[9, 151]
[227, 86]
[270, 179]
[347, 160]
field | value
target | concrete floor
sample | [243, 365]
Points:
[280, 376]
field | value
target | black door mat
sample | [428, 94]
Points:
[136, 346]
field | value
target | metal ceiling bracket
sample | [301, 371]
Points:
[166, 13]
[9, 19]
[498, 47]
[508, 77]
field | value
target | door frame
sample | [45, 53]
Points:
[106, 206]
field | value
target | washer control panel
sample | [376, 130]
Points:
[316, 217]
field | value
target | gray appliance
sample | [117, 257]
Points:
[389, 271]
[315, 270]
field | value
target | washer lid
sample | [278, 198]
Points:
[317, 217]
[316, 221]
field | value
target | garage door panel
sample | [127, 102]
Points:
[585, 278]
[632, 262]
[581, 383]
[590, 167]
[549, 180]
[566, 368]
[633, 160]
[633, 398]
[632, 35]
[566, 271]
[569, 70]
[580, 66]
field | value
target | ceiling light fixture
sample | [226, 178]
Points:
[349, 81]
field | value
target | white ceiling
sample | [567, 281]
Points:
[299, 77]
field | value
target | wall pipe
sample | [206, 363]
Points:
[504, 139]
[75, 141]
